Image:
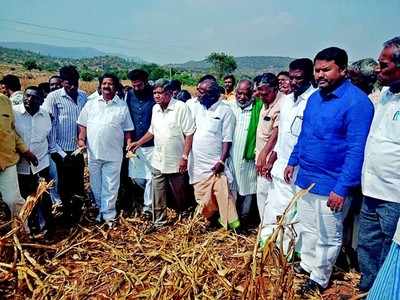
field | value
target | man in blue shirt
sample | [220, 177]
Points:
[329, 153]
[140, 102]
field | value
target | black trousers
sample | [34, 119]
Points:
[28, 185]
[70, 171]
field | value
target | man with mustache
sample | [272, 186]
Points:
[172, 128]
[211, 180]
[104, 125]
[64, 106]
[33, 124]
[329, 152]
[140, 102]
[381, 171]
[247, 111]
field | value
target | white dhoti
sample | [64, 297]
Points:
[321, 235]
[276, 196]
[9, 190]
[140, 172]
[104, 182]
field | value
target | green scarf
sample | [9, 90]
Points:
[250, 147]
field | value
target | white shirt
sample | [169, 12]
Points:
[106, 123]
[290, 121]
[169, 127]
[381, 169]
[34, 130]
[17, 98]
[245, 171]
[214, 126]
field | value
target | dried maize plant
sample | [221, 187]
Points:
[24, 267]
[272, 276]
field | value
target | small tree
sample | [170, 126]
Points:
[222, 63]
[30, 64]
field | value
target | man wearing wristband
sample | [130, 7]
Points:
[172, 128]
[105, 122]
[215, 124]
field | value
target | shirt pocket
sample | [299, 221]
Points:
[174, 129]
[5, 120]
[214, 125]
[392, 131]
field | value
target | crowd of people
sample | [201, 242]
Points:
[320, 125]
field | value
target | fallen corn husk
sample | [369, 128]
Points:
[130, 154]
[79, 150]
[180, 261]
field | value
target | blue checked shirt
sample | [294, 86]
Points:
[64, 112]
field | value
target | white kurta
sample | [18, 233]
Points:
[245, 171]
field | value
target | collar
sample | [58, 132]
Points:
[25, 112]
[64, 94]
[113, 100]
[338, 92]
[16, 93]
[171, 105]
[247, 108]
[307, 93]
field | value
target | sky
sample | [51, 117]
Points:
[176, 31]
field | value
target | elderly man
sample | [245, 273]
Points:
[172, 128]
[64, 105]
[267, 132]
[279, 193]
[33, 124]
[215, 125]
[380, 176]
[12, 147]
[329, 153]
[229, 86]
[362, 74]
[12, 89]
[104, 124]
[140, 102]
[247, 111]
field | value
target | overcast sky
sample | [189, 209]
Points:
[178, 31]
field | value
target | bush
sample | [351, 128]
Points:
[30, 64]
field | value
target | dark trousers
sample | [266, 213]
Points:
[170, 190]
[70, 184]
[28, 185]
[378, 221]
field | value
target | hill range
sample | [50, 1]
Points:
[47, 55]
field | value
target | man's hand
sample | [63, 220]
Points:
[218, 168]
[30, 157]
[183, 165]
[335, 202]
[261, 162]
[132, 147]
[81, 143]
[288, 174]
[266, 171]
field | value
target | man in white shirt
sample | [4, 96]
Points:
[380, 175]
[33, 125]
[244, 165]
[172, 128]
[215, 124]
[290, 120]
[104, 123]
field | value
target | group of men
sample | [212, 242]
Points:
[313, 127]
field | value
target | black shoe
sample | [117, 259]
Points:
[311, 288]
[298, 269]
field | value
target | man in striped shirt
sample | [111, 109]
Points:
[64, 105]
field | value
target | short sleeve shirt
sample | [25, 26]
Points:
[106, 123]
[169, 127]
[269, 119]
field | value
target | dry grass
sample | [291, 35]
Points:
[181, 261]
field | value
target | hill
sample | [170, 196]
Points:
[55, 51]
[94, 65]
[246, 64]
